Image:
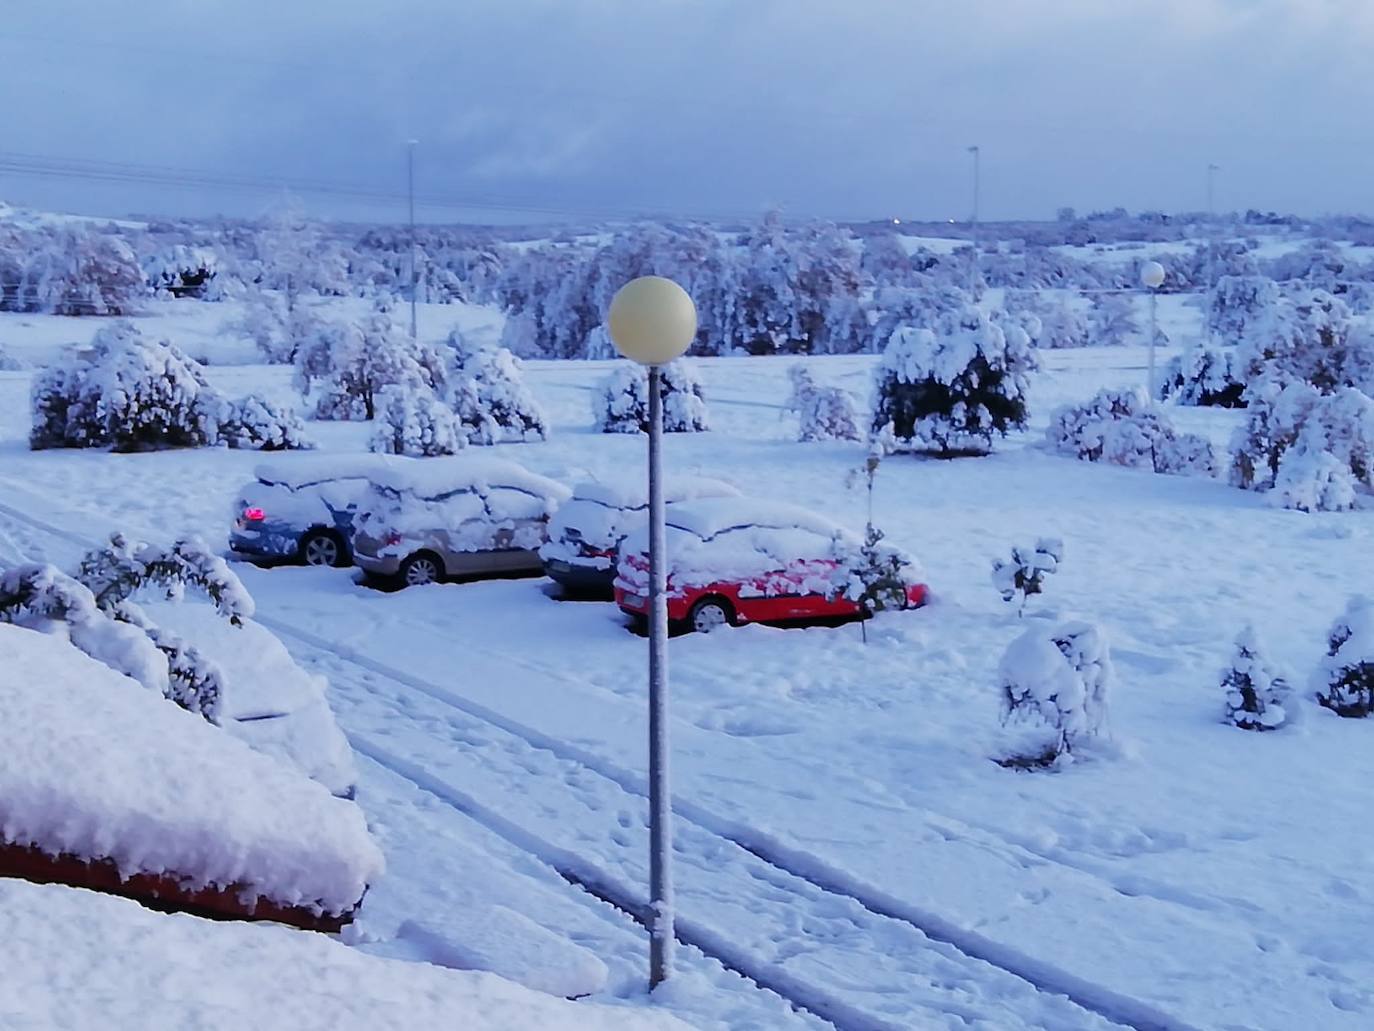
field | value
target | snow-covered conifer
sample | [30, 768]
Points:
[254, 423]
[825, 413]
[1257, 698]
[949, 390]
[413, 420]
[1344, 680]
[621, 404]
[1204, 376]
[873, 575]
[1120, 427]
[1309, 336]
[1055, 684]
[1237, 302]
[504, 397]
[1023, 575]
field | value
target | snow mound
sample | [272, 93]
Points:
[710, 516]
[430, 478]
[307, 470]
[635, 494]
[75, 959]
[96, 766]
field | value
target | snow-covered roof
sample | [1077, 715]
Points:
[298, 471]
[635, 493]
[98, 766]
[432, 477]
[710, 516]
[76, 959]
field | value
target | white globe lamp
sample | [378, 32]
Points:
[652, 320]
[1152, 274]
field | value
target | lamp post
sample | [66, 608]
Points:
[973, 264]
[1152, 276]
[414, 277]
[652, 321]
[1212, 170]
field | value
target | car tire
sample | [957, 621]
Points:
[323, 548]
[710, 614]
[424, 567]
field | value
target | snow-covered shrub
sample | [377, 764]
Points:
[1023, 575]
[1111, 319]
[621, 404]
[1256, 696]
[1312, 337]
[1204, 376]
[276, 328]
[948, 391]
[414, 420]
[82, 271]
[873, 575]
[1062, 325]
[1237, 302]
[1120, 427]
[826, 413]
[346, 365]
[9, 363]
[253, 422]
[507, 403]
[1344, 680]
[1055, 686]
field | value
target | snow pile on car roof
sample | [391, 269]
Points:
[307, 469]
[635, 493]
[97, 766]
[431, 477]
[712, 516]
[75, 959]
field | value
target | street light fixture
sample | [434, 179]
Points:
[652, 320]
[1152, 277]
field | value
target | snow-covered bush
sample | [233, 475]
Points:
[826, 413]
[949, 390]
[80, 271]
[127, 393]
[1062, 325]
[1344, 680]
[1023, 575]
[621, 404]
[507, 407]
[1120, 427]
[873, 575]
[1204, 376]
[1055, 686]
[1237, 302]
[1312, 337]
[1111, 319]
[345, 366]
[9, 363]
[1256, 696]
[414, 420]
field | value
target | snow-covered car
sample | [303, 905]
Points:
[267, 700]
[302, 510]
[585, 534]
[742, 560]
[422, 520]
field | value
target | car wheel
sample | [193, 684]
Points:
[710, 614]
[322, 548]
[421, 569]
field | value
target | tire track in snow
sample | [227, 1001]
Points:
[1112, 1006]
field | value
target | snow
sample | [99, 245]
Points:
[78, 960]
[708, 517]
[623, 493]
[177, 794]
[431, 478]
[300, 471]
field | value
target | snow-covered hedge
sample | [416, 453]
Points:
[128, 393]
[1204, 376]
[413, 420]
[949, 390]
[166, 792]
[621, 404]
[825, 413]
[1344, 680]
[1121, 427]
[1257, 698]
[1055, 685]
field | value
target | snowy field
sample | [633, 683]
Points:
[844, 837]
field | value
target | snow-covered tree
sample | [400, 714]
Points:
[621, 404]
[873, 575]
[826, 413]
[1055, 686]
[1062, 325]
[254, 423]
[1204, 376]
[1023, 575]
[1257, 698]
[949, 390]
[508, 407]
[415, 421]
[1111, 319]
[81, 271]
[1344, 680]
[1310, 336]
[1121, 427]
[1237, 302]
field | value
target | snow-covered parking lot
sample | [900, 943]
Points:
[845, 837]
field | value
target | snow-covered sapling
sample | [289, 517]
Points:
[1024, 573]
[1055, 686]
[826, 413]
[1256, 696]
[1344, 680]
[621, 404]
[873, 575]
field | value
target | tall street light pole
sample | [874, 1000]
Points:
[1151, 277]
[652, 320]
[973, 264]
[1211, 252]
[414, 278]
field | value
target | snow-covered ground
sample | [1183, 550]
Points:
[844, 837]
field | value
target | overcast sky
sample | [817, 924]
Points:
[842, 109]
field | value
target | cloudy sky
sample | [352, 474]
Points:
[842, 109]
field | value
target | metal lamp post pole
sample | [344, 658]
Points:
[1154, 294]
[661, 938]
[1211, 255]
[414, 277]
[973, 264]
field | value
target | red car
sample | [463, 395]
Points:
[741, 560]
